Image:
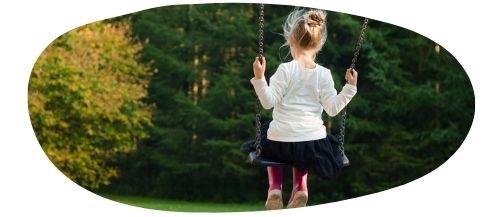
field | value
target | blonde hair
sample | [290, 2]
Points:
[306, 27]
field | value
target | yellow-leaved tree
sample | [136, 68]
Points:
[86, 102]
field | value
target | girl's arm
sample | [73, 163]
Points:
[332, 102]
[273, 94]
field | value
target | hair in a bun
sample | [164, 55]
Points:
[306, 27]
[316, 18]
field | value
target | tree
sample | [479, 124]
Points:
[415, 105]
[204, 103]
[85, 102]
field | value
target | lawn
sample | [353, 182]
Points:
[184, 206]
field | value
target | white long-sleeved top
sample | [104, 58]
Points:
[299, 95]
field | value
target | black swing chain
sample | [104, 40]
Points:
[343, 117]
[260, 55]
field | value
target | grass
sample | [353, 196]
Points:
[184, 206]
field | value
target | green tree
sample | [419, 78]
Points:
[204, 103]
[414, 107]
[85, 103]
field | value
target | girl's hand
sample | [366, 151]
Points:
[351, 77]
[259, 68]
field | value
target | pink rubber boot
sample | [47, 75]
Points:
[299, 196]
[274, 199]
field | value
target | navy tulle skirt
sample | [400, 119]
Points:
[321, 157]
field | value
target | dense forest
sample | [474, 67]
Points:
[157, 103]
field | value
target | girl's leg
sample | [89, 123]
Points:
[299, 196]
[299, 180]
[275, 175]
[274, 199]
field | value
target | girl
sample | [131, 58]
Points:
[299, 91]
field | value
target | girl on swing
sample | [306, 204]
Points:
[299, 91]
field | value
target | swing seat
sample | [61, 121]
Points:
[250, 149]
[263, 162]
[345, 160]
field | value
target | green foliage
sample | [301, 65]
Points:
[414, 107]
[84, 100]
[204, 103]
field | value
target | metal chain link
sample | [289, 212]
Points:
[261, 30]
[343, 117]
[260, 54]
[360, 43]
